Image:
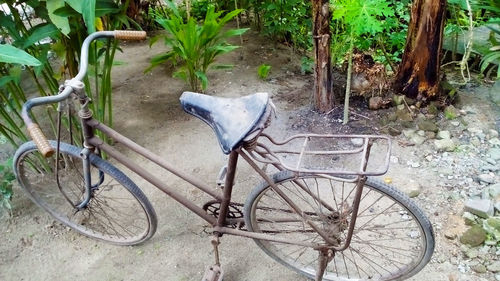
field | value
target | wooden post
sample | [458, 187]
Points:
[322, 93]
[418, 76]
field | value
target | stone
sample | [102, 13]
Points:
[492, 227]
[487, 178]
[492, 133]
[494, 267]
[469, 218]
[430, 135]
[474, 236]
[444, 145]
[475, 141]
[494, 153]
[393, 131]
[413, 189]
[375, 103]
[432, 109]
[472, 253]
[497, 206]
[450, 235]
[426, 125]
[404, 115]
[492, 168]
[394, 159]
[417, 139]
[497, 277]
[479, 268]
[479, 207]
[408, 133]
[443, 135]
[450, 112]
[397, 100]
[455, 123]
[494, 190]
[357, 141]
[494, 141]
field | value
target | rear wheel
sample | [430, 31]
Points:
[392, 238]
[118, 211]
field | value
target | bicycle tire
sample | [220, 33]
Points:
[266, 212]
[118, 211]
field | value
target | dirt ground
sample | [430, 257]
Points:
[146, 109]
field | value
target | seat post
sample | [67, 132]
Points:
[228, 187]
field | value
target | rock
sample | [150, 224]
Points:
[426, 125]
[397, 100]
[430, 135]
[497, 206]
[494, 141]
[455, 123]
[417, 139]
[494, 190]
[494, 153]
[479, 268]
[469, 218]
[494, 267]
[393, 131]
[492, 227]
[492, 133]
[450, 235]
[492, 168]
[479, 207]
[394, 159]
[403, 114]
[491, 161]
[443, 135]
[432, 109]
[474, 236]
[472, 253]
[408, 133]
[487, 178]
[475, 141]
[444, 145]
[497, 277]
[375, 103]
[450, 112]
[357, 141]
[413, 189]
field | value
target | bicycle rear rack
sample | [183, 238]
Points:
[320, 154]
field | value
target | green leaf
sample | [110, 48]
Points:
[66, 12]
[75, 4]
[234, 32]
[40, 32]
[4, 80]
[203, 78]
[59, 21]
[88, 13]
[103, 8]
[159, 59]
[10, 54]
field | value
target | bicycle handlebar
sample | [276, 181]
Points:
[34, 130]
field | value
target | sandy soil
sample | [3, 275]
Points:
[35, 247]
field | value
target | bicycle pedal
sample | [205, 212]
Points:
[213, 273]
[221, 178]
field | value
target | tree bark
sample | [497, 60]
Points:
[322, 95]
[418, 76]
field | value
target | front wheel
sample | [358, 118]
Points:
[118, 211]
[392, 238]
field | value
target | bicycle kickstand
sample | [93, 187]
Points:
[214, 272]
[325, 256]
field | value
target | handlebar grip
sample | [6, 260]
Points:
[130, 35]
[40, 140]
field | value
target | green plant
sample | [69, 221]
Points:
[360, 18]
[7, 177]
[494, 52]
[194, 45]
[306, 65]
[263, 71]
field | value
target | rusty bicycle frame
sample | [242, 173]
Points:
[253, 152]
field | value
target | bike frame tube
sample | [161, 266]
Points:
[218, 224]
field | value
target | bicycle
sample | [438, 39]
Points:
[327, 223]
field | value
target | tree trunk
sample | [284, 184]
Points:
[418, 76]
[323, 98]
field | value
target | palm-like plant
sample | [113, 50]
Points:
[195, 45]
